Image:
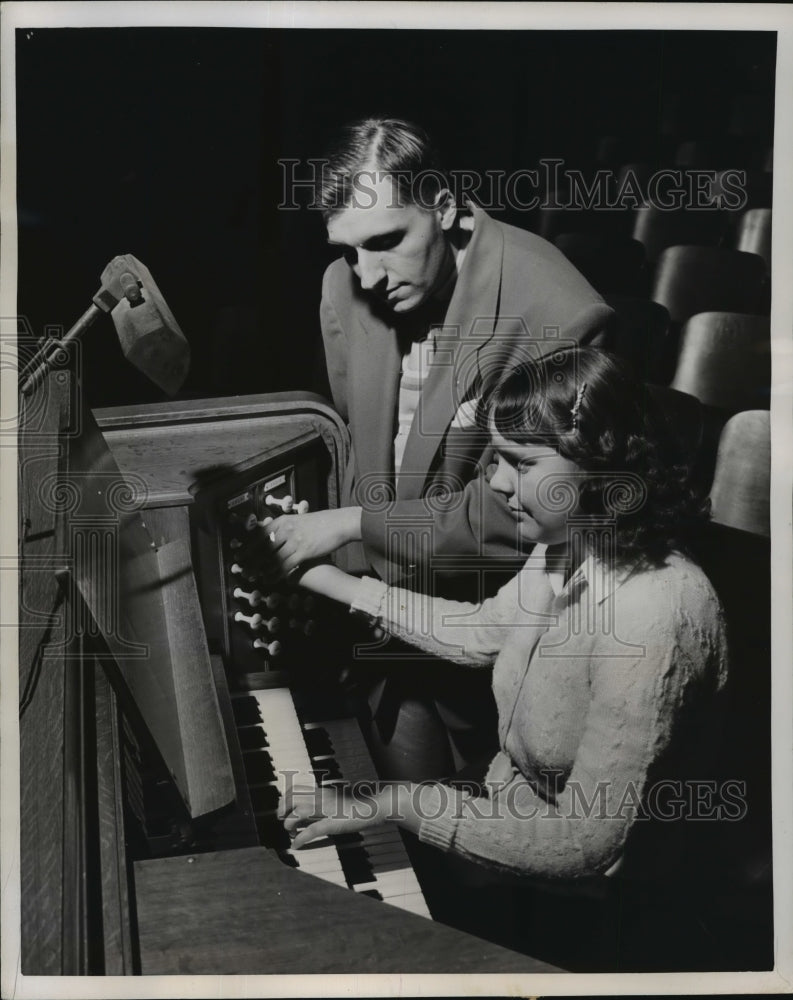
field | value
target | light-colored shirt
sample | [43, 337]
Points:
[417, 362]
[596, 681]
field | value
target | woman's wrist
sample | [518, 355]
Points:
[330, 581]
[396, 803]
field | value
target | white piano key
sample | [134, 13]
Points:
[414, 902]
[381, 845]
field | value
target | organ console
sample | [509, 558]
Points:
[169, 681]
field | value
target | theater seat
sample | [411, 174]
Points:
[725, 360]
[753, 233]
[695, 279]
[657, 228]
[742, 482]
[734, 859]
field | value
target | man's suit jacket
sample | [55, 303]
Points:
[516, 297]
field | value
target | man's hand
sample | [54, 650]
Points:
[308, 813]
[302, 538]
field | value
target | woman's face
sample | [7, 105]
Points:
[534, 478]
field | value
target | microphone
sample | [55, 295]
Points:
[149, 334]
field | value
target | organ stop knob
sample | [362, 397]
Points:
[254, 621]
[253, 597]
[273, 648]
[287, 504]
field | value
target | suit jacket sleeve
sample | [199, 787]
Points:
[476, 522]
[402, 542]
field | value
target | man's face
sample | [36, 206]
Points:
[398, 252]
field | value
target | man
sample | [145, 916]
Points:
[429, 301]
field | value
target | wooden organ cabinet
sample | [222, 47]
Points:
[156, 664]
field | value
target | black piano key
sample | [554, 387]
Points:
[373, 893]
[246, 711]
[258, 767]
[318, 742]
[327, 770]
[397, 864]
[347, 839]
[264, 798]
[356, 868]
[252, 737]
[355, 861]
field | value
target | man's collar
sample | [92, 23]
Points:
[465, 225]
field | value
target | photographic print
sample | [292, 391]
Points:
[396, 492]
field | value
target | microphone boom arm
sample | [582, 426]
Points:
[150, 336]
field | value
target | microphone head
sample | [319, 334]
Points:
[149, 334]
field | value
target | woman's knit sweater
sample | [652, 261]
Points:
[596, 681]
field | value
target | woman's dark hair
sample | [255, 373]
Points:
[589, 406]
[385, 146]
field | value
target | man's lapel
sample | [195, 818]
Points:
[469, 323]
[375, 368]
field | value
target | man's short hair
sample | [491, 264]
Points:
[380, 146]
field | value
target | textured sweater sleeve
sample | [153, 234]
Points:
[470, 634]
[635, 703]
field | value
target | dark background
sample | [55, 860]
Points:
[164, 143]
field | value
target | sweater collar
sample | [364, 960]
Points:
[595, 575]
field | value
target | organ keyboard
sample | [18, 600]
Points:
[277, 748]
[158, 708]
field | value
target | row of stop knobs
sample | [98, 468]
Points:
[294, 604]
[250, 522]
[255, 598]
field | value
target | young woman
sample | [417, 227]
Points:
[608, 648]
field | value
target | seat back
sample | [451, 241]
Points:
[740, 495]
[658, 228]
[725, 360]
[753, 234]
[734, 551]
[694, 279]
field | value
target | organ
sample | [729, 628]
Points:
[168, 680]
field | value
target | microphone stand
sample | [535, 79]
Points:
[38, 366]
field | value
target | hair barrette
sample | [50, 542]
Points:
[577, 405]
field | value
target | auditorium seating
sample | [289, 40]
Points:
[735, 859]
[658, 228]
[694, 279]
[700, 332]
[742, 485]
[725, 360]
[753, 233]
[717, 153]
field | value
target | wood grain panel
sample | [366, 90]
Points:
[244, 912]
[173, 446]
[42, 634]
[116, 932]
